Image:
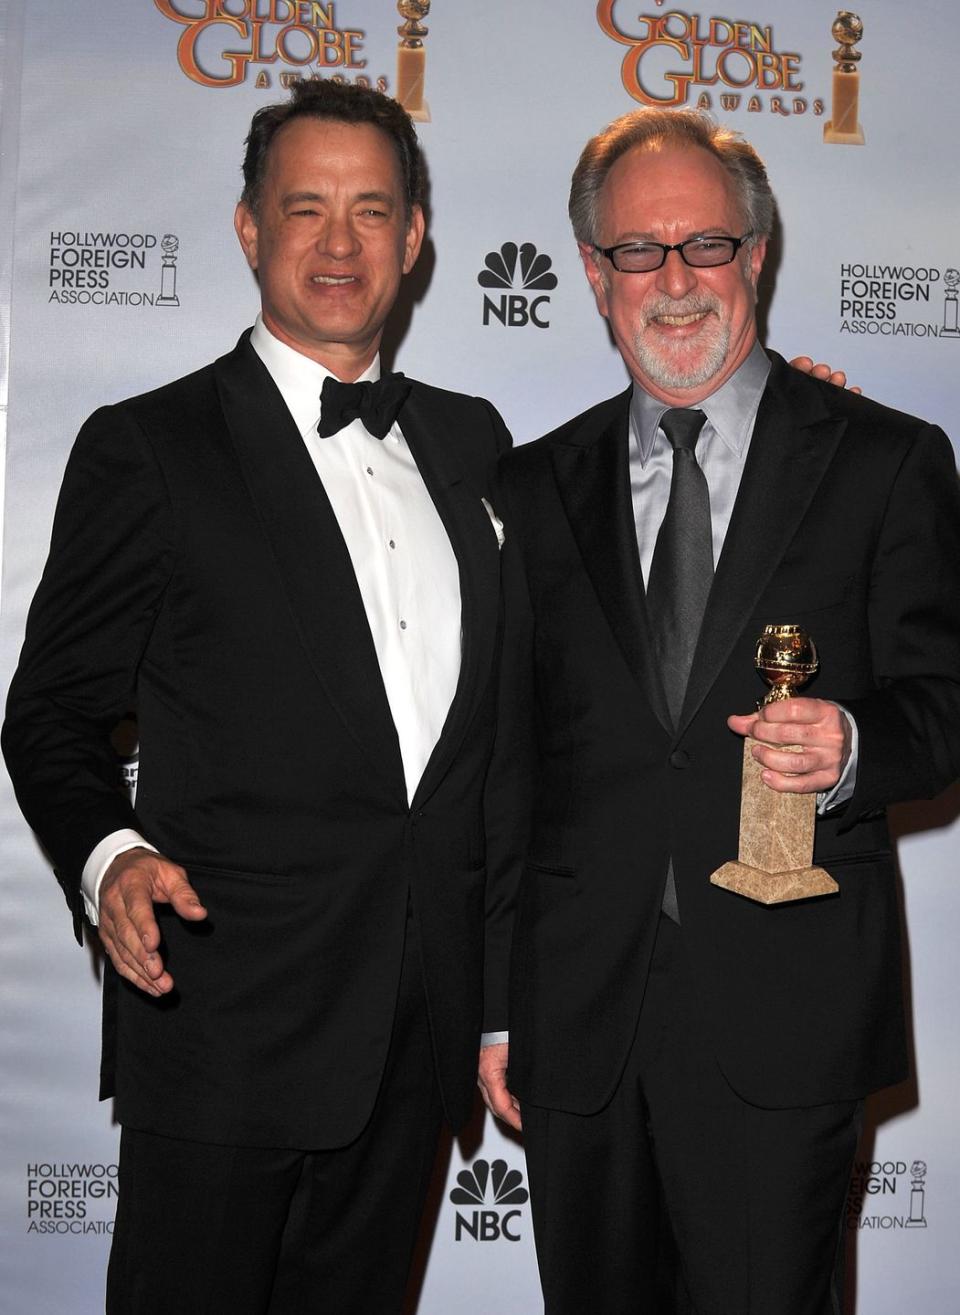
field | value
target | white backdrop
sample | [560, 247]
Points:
[109, 145]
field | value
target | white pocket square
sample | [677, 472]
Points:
[495, 521]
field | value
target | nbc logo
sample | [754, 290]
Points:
[489, 1185]
[514, 309]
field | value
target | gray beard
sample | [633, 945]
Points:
[674, 373]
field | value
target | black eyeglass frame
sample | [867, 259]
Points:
[736, 244]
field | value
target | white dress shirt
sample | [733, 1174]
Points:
[405, 567]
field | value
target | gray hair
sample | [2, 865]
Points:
[655, 128]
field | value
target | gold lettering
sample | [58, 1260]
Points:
[313, 44]
[607, 24]
[769, 72]
[630, 74]
[723, 67]
[727, 38]
[169, 10]
[791, 73]
[330, 51]
[352, 45]
[187, 53]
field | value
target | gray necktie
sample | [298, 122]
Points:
[681, 574]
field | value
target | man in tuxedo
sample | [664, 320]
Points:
[678, 1052]
[307, 619]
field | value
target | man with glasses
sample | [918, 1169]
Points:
[685, 1059]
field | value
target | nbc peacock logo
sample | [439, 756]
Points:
[489, 1189]
[514, 267]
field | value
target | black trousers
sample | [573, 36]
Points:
[754, 1198]
[235, 1230]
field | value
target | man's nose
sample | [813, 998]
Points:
[338, 238]
[675, 277]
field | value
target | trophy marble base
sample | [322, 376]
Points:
[774, 887]
[843, 128]
[838, 138]
[411, 80]
[776, 844]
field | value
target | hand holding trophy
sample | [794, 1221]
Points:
[774, 865]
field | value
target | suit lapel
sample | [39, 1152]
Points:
[428, 429]
[311, 554]
[593, 476]
[793, 442]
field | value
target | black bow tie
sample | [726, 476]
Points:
[376, 404]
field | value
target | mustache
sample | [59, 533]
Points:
[695, 304]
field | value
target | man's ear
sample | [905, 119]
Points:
[757, 255]
[414, 239]
[595, 275]
[247, 231]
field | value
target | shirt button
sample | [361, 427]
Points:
[392, 544]
[679, 759]
[403, 625]
[369, 470]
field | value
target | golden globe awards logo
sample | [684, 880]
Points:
[675, 58]
[224, 41]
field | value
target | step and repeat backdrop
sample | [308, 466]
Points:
[122, 132]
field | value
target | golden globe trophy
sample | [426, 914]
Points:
[843, 126]
[774, 864]
[412, 59]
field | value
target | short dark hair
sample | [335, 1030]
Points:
[322, 98]
[653, 128]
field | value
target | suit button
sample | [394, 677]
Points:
[679, 759]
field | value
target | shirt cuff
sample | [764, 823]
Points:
[117, 842]
[844, 788]
[494, 1039]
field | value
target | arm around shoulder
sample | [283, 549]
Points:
[909, 727]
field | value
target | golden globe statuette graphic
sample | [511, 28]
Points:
[412, 59]
[774, 865]
[951, 311]
[843, 127]
[918, 1172]
[169, 246]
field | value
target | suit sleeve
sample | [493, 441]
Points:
[110, 560]
[910, 725]
[509, 792]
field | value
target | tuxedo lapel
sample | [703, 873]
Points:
[311, 554]
[593, 476]
[429, 430]
[793, 442]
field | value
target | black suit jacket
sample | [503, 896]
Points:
[197, 572]
[847, 522]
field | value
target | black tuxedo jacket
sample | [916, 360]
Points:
[198, 573]
[847, 522]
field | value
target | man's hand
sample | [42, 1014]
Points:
[819, 729]
[135, 881]
[492, 1081]
[806, 366]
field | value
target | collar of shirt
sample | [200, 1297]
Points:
[731, 410]
[298, 378]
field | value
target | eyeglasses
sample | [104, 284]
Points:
[698, 252]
